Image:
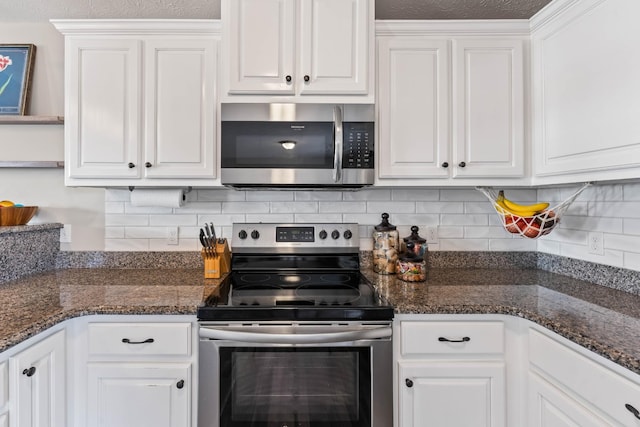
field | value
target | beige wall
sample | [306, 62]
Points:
[82, 208]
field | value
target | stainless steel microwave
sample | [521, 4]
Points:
[297, 145]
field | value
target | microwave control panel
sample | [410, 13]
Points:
[358, 145]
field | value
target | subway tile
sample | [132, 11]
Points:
[126, 245]
[602, 193]
[414, 219]
[245, 207]
[272, 217]
[316, 196]
[576, 208]
[631, 192]
[461, 195]
[565, 236]
[378, 194]
[269, 196]
[200, 207]
[611, 257]
[114, 232]
[622, 242]
[114, 208]
[294, 207]
[395, 207]
[300, 218]
[464, 244]
[519, 244]
[408, 194]
[362, 218]
[220, 219]
[184, 245]
[488, 232]
[631, 226]
[173, 220]
[631, 261]
[591, 223]
[117, 195]
[145, 232]
[221, 195]
[479, 207]
[339, 207]
[139, 220]
[464, 219]
[440, 207]
[450, 232]
[130, 209]
[547, 246]
[615, 209]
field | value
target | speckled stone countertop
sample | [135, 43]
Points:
[601, 319]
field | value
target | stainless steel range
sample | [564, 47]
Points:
[296, 336]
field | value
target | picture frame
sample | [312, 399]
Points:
[16, 74]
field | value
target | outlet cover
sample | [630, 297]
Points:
[431, 234]
[65, 234]
[172, 235]
[595, 243]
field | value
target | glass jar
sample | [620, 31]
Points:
[411, 267]
[420, 247]
[385, 247]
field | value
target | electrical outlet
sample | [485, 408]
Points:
[172, 235]
[431, 234]
[595, 241]
[65, 234]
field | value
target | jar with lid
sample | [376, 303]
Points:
[385, 247]
[411, 266]
[420, 247]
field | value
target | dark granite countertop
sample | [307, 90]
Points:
[601, 319]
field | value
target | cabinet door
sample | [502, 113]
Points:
[39, 373]
[413, 108]
[102, 123]
[452, 394]
[179, 108]
[488, 108]
[335, 38]
[551, 407]
[259, 44]
[139, 395]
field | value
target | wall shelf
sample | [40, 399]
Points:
[32, 164]
[31, 120]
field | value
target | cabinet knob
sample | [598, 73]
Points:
[29, 372]
[131, 165]
[462, 164]
[408, 382]
[633, 410]
[445, 165]
[147, 165]
[180, 384]
[307, 78]
[288, 79]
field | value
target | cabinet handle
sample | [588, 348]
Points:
[462, 164]
[131, 165]
[32, 370]
[180, 384]
[445, 165]
[306, 78]
[128, 341]
[288, 79]
[147, 165]
[408, 382]
[463, 339]
[633, 410]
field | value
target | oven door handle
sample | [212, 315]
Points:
[319, 338]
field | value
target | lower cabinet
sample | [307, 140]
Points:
[136, 395]
[450, 373]
[4, 394]
[38, 378]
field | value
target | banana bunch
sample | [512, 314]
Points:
[506, 206]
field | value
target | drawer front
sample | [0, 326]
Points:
[606, 390]
[139, 339]
[425, 337]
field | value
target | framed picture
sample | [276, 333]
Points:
[16, 70]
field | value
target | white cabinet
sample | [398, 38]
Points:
[298, 48]
[585, 90]
[4, 394]
[449, 107]
[38, 379]
[450, 373]
[571, 386]
[140, 102]
[135, 373]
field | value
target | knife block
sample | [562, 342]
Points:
[217, 261]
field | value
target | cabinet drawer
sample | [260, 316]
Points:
[591, 381]
[4, 385]
[424, 337]
[139, 339]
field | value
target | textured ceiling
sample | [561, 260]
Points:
[43, 10]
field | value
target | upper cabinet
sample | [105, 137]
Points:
[449, 106]
[585, 91]
[140, 102]
[298, 51]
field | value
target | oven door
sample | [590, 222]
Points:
[295, 375]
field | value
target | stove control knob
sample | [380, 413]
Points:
[322, 234]
[255, 234]
[348, 234]
[242, 234]
[335, 234]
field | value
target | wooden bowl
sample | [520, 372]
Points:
[16, 215]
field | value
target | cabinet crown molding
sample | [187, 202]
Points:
[137, 26]
[410, 27]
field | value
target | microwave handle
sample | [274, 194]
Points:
[337, 138]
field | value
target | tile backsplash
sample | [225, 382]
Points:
[452, 219]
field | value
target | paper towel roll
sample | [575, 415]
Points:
[165, 198]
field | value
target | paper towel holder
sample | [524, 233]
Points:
[185, 191]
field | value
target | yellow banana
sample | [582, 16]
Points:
[531, 209]
[500, 206]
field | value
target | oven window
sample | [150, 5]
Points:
[301, 387]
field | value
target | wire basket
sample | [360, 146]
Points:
[533, 226]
